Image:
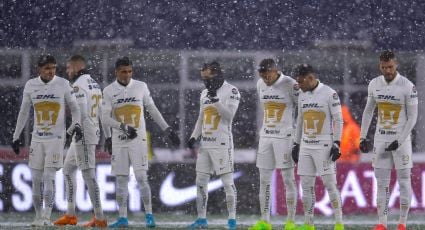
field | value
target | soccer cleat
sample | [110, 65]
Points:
[231, 224]
[150, 221]
[200, 223]
[95, 223]
[339, 226]
[290, 225]
[401, 227]
[122, 222]
[306, 227]
[40, 222]
[66, 220]
[261, 225]
[380, 227]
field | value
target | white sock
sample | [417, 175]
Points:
[231, 194]
[383, 177]
[202, 194]
[309, 197]
[145, 190]
[89, 176]
[49, 191]
[122, 194]
[404, 180]
[264, 194]
[291, 192]
[71, 186]
[330, 183]
[37, 198]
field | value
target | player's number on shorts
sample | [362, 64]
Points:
[96, 101]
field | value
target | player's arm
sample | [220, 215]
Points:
[24, 113]
[412, 114]
[228, 108]
[335, 108]
[106, 117]
[367, 113]
[299, 125]
[153, 110]
[72, 103]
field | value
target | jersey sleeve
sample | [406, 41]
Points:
[412, 96]
[368, 111]
[153, 110]
[24, 112]
[335, 108]
[107, 120]
[71, 101]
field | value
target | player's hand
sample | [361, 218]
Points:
[335, 151]
[191, 143]
[212, 95]
[108, 145]
[295, 152]
[15, 146]
[364, 145]
[78, 132]
[172, 135]
[393, 146]
[129, 131]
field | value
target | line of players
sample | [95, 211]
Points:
[311, 140]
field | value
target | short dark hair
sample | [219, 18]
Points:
[386, 55]
[267, 65]
[77, 57]
[124, 61]
[45, 59]
[302, 70]
[214, 67]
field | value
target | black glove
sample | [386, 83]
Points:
[78, 132]
[108, 145]
[172, 135]
[335, 151]
[393, 146]
[191, 143]
[295, 152]
[129, 131]
[364, 145]
[212, 95]
[15, 146]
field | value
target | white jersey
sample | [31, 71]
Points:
[48, 100]
[89, 98]
[217, 131]
[391, 100]
[316, 109]
[278, 102]
[126, 104]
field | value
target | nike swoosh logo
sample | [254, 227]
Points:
[173, 196]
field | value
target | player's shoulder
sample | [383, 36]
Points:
[230, 88]
[404, 81]
[260, 83]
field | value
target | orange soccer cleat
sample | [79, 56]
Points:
[380, 227]
[96, 223]
[401, 227]
[66, 220]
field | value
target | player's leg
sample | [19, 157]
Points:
[86, 161]
[283, 155]
[307, 173]
[329, 180]
[231, 195]
[203, 170]
[120, 166]
[382, 163]
[69, 172]
[266, 165]
[403, 164]
[36, 164]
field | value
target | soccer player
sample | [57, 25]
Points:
[317, 140]
[48, 95]
[81, 154]
[278, 97]
[218, 105]
[397, 101]
[122, 110]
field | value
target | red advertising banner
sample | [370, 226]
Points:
[357, 186]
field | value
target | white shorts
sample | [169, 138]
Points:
[135, 154]
[275, 153]
[46, 155]
[401, 158]
[313, 162]
[78, 156]
[218, 160]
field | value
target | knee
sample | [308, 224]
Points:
[202, 179]
[403, 174]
